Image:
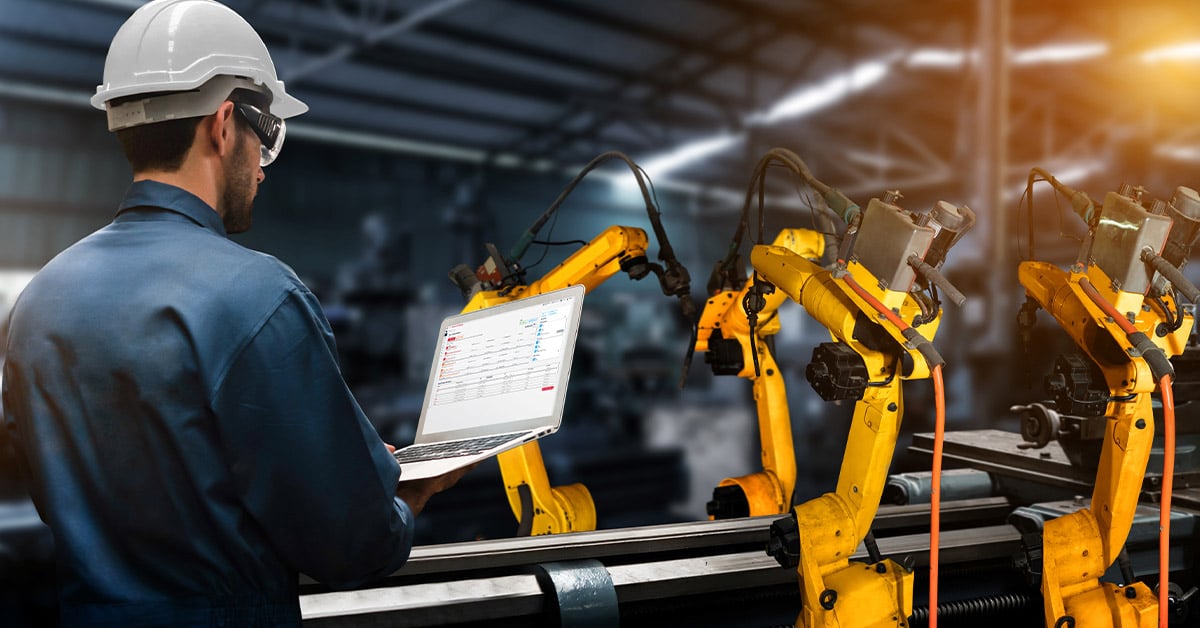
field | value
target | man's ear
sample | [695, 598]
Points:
[222, 130]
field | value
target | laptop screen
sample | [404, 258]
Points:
[503, 365]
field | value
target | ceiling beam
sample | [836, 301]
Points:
[409, 21]
[608, 20]
[484, 77]
[319, 40]
[661, 90]
[420, 64]
[532, 51]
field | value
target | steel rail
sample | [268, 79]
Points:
[474, 594]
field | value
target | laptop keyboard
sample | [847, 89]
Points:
[451, 449]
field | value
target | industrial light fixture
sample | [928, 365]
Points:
[691, 151]
[1175, 52]
[1079, 171]
[936, 58]
[798, 103]
[1060, 53]
[1179, 153]
[837, 87]
[1053, 53]
[834, 88]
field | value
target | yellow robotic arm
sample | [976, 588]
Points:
[871, 301]
[724, 336]
[871, 354]
[1101, 303]
[867, 361]
[539, 507]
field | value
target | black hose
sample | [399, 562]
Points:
[1173, 322]
[931, 274]
[1080, 201]
[978, 607]
[527, 238]
[678, 282]
[922, 344]
[793, 163]
[1172, 274]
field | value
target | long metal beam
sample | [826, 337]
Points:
[691, 537]
[518, 595]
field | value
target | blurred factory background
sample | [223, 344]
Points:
[438, 126]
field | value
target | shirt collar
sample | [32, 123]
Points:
[148, 193]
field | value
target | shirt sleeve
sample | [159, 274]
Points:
[308, 465]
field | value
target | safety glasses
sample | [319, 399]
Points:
[269, 129]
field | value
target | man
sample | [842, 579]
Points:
[188, 435]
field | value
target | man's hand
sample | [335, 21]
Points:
[416, 492]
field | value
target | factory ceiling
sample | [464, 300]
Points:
[873, 94]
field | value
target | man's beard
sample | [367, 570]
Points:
[236, 204]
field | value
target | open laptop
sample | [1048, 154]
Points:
[498, 380]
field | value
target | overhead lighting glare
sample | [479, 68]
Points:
[1078, 171]
[690, 152]
[1180, 153]
[1060, 53]
[870, 159]
[936, 58]
[810, 98]
[799, 103]
[1177, 52]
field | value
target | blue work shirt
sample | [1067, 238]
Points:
[188, 435]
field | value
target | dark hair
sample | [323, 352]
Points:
[158, 146]
[163, 145]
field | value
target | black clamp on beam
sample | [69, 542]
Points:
[583, 592]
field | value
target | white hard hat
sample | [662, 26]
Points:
[180, 46]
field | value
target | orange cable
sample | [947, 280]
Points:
[935, 506]
[1108, 308]
[1164, 506]
[875, 303]
[939, 394]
